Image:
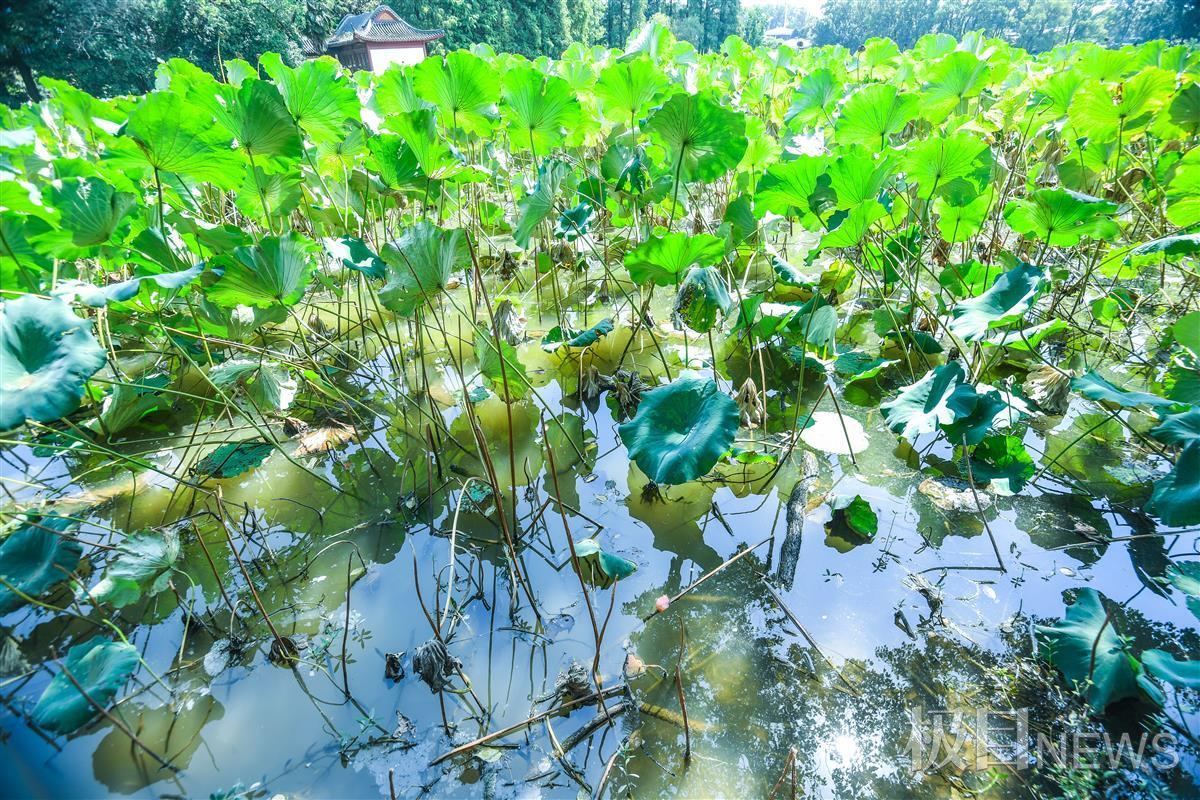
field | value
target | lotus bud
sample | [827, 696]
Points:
[662, 604]
[1049, 388]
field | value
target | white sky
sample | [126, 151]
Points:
[811, 6]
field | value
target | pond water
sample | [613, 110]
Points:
[811, 642]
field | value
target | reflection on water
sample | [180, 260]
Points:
[364, 552]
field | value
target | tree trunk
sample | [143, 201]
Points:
[31, 86]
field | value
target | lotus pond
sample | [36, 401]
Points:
[766, 423]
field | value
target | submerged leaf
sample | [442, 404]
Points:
[232, 459]
[100, 667]
[34, 557]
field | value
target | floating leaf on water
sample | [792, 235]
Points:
[1002, 462]
[681, 430]
[1176, 498]
[100, 667]
[232, 459]
[1094, 387]
[600, 567]
[140, 567]
[34, 557]
[952, 494]
[322, 440]
[1088, 649]
[854, 522]
[1164, 666]
[46, 355]
[556, 337]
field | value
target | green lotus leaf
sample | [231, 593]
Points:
[960, 216]
[122, 291]
[853, 522]
[174, 136]
[970, 429]
[702, 294]
[1089, 651]
[232, 459]
[574, 223]
[46, 355]
[1184, 110]
[90, 210]
[938, 162]
[1061, 217]
[852, 227]
[681, 430]
[856, 365]
[266, 196]
[873, 114]
[627, 88]
[538, 205]
[663, 260]
[435, 159]
[1182, 244]
[536, 108]
[141, 566]
[858, 176]
[267, 384]
[353, 253]
[816, 98]
[1003, 462]
[556, 337]
[954, 78]
[1176, 497]
[1181, 429]
[1005, 302]
[463, 87]
[34, 557]
[703, 139]
[1104, 111]
[599, 567]
[100, 667]
[499, 364]
[274, 271]
[1094, 387]
[419, 264]
[1183, 192]
[798, 188]
[319, 102]
[259, 120]
[1165, 667]
[939, 398]
[127, 404]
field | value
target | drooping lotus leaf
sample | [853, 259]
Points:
[1176, 498]
[463, 87]
[681, 430]
[419, 264]
[1094, 387]
[1181, 244]
[1181, 429]
[1006, 301]
[873, 114]
[1061, 217]
[538, 205]
[353, 253]
[663, 260]
[702, 294]
[1089, 651]
[971, 428]
[46, 355]
[140, 567]
[939, 398]
[574, 223]
[100, 666]
[318, 101]
[1165, 667]
[557, 337]
[127, 403]
[233, 458]
[1186, 331]
[536, 108]
[276, 271]
[498, 363]
[34, 557]
[100, 296]
[703, 139]
[601, 568]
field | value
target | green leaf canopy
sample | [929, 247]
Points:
[1061, 217]
[463, 88]
[939, 398]
[1006, 301]
[663, 260]
[419, 263]
[274, 271]
[681, 430]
